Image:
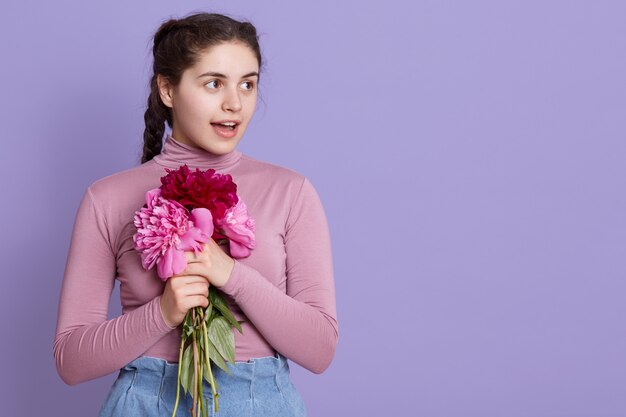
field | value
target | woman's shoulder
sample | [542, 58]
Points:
[262, 178]
[125, 185]
[264, 171]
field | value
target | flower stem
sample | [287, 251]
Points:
[180, 362]
[201, 410]
[195, 366]
[208, 361]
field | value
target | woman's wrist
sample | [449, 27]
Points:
[225, 271]
[163, 314]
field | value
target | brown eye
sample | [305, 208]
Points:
[250, 85]
[212, 82]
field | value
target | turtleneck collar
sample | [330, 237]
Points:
[175, 153]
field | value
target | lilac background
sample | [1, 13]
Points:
[470, 157]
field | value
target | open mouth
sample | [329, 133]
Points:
[227, 125]
[226, 129]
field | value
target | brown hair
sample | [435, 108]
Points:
[177, 46]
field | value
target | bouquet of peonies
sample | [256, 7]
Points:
[188, 209]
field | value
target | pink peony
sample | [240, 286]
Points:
[239, 227]
[165, 229]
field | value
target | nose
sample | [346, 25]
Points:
[232, 101]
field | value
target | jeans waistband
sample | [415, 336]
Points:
[253, 368]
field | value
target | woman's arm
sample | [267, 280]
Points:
[301, 324]
[86, 344]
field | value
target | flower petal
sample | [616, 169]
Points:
[152, 195]
[238, 250]
[172, 262]
[193, 239]
[203, 219]
[239, 226]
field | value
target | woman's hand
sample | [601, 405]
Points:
[212, 263]
[182, 293]
[190, 288]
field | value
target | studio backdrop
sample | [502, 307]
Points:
[469, 157]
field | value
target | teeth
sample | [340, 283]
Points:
[228, 124]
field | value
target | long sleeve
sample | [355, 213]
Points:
[86, 344]
[301, 323]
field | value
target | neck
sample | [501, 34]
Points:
[175, 154]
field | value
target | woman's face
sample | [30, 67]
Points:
[221, 87]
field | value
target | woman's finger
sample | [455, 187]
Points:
[187, 279]
[195, 289]
[191, 256]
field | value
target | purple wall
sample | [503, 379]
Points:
[470, 156]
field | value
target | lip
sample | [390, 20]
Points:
[237, 122]
[225, 132]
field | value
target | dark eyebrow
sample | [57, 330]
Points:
[217, 74]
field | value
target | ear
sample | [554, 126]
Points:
[165, 90]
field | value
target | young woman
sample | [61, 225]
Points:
[206, 73]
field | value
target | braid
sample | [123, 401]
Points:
[155, 116]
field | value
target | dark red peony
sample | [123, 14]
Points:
[194, 189]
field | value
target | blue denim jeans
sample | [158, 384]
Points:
[259, 387]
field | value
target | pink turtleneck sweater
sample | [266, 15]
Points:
[284, 290]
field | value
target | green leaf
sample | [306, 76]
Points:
[216, 298]
[187, 330]
[186, 378]
[208, 312]
[187, 325]
[216, 357]
[219, 303]
[223, 338]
